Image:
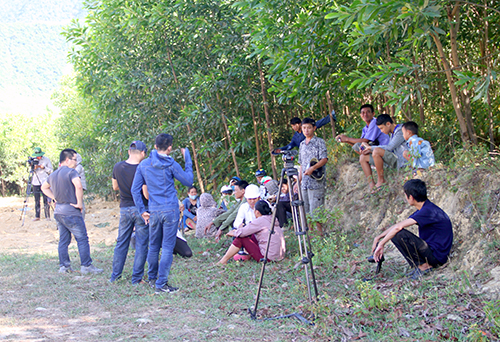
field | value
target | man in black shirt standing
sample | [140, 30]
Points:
[123, 176]
[65, 187]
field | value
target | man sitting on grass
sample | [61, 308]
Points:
[390, 154]
[225, 220]
[433, 246]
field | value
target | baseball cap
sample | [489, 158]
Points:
[260, 172]
[139, 146]
[37, 152]
[226, 189]
[252, 191]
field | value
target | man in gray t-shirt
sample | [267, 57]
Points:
[65, 187]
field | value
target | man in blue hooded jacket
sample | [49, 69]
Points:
[158, 172]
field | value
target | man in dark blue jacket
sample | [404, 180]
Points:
[158, 173]
[298, 136]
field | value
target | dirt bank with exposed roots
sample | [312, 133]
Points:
[470, 197]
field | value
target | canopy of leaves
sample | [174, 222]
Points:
[191, 67]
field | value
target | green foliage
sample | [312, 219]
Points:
[193, 68]
[371, 298]
[492, 310]
[19, 134]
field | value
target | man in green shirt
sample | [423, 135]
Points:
[225, 220]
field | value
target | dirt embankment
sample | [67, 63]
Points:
[470, 197]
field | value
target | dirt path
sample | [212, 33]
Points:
[42, 237]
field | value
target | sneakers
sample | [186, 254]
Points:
[152, 283]
[65, 269]
[90, 269]
[418, 273]
[166, 288]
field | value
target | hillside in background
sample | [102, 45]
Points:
[33, 53]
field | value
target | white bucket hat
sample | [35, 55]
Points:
[252, 191]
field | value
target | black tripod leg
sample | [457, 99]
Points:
[253, 314]
[28, 193]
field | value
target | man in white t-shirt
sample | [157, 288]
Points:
[246, 211]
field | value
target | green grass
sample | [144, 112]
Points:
[212, 302]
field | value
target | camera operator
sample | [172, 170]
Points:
[42, 169]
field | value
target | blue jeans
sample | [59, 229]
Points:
[162, 234]
[130, 217]
[75, 225]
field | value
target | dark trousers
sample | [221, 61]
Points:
[415, 250]
[37, 192]
[281, 209]
[181, 248]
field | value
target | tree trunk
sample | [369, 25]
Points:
[255, 126]
[256, 134]
[268, 121]
[200, 180]
[419, 90]
[454, 21]
[195, 157]
[464, 133]
[228, 136]
[486, 54]
[3, 183]
[330, 109]
[439, 84]
[210, 165]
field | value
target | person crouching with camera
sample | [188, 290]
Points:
[42, 169]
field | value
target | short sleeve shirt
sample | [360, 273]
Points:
[124, 174]
[373, 133]
[434, 227]
[316, 148]
[61, 184]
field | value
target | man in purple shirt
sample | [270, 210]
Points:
[371, 134]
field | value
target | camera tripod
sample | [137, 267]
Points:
[29, 191]
[300, 229]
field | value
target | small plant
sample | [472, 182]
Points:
[371, 298]
[492, 310]
[477, 335]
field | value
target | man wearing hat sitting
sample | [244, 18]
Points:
[42, 171]
[246, 211]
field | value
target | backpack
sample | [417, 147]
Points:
[421, 153]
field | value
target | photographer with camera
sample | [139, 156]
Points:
[42, 168]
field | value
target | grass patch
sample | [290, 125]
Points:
[38, 302]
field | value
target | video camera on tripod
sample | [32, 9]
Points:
[300, 229]
[33, 161]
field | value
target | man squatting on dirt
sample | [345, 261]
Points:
[433, 246]
[157, 172]
[65, 187]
